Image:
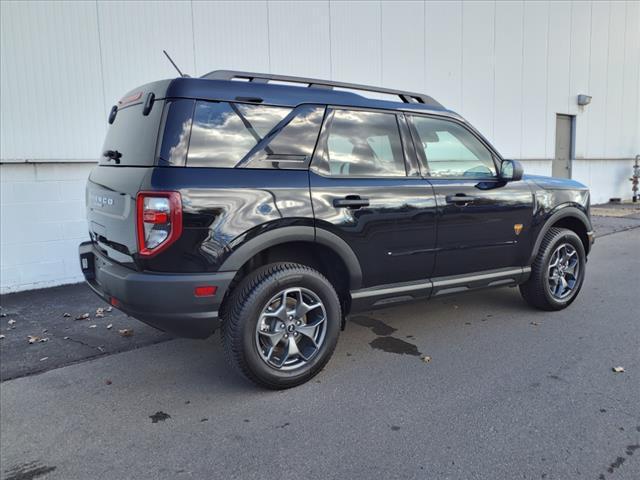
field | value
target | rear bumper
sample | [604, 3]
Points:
[164, 301]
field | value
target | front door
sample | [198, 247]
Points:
[364, 191]
[484, 223]
[564, 141]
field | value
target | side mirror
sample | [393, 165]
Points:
[511, 171]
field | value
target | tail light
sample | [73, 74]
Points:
[159, 221]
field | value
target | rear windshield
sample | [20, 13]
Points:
[132, 136]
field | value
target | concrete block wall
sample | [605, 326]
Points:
[42, 221]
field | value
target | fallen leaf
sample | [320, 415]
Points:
[44, 358]
[33, 339]
[159, 417]
[84, 316]
[42, 340]
[426, 358]
[66, 315]
[110, 326]
[618, 369]
[126, 332]
[11, 322]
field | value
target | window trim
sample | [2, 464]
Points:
[424, 162]
[320, 163]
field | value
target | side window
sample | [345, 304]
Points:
[291, 143]
[223, 133]
[177, 119]
[451, 150]
[363, 143]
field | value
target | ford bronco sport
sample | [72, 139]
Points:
[273, 206]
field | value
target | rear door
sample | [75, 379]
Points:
[366, 189]
[484, 223]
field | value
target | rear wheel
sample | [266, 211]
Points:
[281, 325]
[558, 271]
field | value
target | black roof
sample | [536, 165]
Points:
[219, 85]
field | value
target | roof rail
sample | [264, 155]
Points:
[406, 97]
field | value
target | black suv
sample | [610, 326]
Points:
[274, 206]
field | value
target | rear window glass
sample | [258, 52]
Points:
[223, 133]
[362, 143]
[177, 128]
[132, 137]
[291, 143]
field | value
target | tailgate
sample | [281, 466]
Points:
[111, 212]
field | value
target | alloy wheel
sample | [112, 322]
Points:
[563, 271]
[291, 328]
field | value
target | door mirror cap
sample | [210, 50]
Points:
[511, 171]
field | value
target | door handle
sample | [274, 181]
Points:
[460, 198]
[351, 201]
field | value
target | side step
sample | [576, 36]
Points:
[384, 295]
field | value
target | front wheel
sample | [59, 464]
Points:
[557, 272]
[281, 325]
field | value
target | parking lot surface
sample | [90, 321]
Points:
[509, 392]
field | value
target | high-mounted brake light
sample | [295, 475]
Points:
[159, 221]
[130, 98]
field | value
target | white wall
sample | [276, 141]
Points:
[43, 221]
[507, 66]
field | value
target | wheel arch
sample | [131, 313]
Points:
[568, 217]
[305, 244]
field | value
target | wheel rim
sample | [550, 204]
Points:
[563, 272]
[291, 328]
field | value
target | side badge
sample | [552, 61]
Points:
[517, 228]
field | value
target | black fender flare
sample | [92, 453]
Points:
[282, 235]
[563, 212]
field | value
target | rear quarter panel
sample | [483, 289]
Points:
[225, 208]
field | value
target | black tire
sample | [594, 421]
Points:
[244, 309]
[536, 290]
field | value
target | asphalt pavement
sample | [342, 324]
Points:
[509, 392]
[65, 324]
